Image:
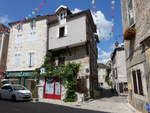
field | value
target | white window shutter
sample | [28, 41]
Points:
[57, 33]
[131, 13]
[17, 60]
[33, 59]
[66, 31]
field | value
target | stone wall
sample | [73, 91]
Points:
[135, 55]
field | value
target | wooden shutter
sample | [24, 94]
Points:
[134, 82]
[140, 86]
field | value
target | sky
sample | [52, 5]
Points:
[13, 10]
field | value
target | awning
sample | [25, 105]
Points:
[19, 74]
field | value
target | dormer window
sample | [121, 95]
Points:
[63, 15]
[62, 12]
[19, 27]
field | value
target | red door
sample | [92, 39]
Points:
[52, 88]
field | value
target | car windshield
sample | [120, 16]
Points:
[18, 87]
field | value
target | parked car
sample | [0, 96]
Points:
[15, 92]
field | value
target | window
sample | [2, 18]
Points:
[7, 88]
[140, 82]
[19, 35]
[116, 73]
[63, 15]
[19, 27]
[32, 33]
[33, 24]
[31, 59]
[0, 42]
[17, 60]
[130, 12]
[134, 81]
[137, 82]
[61, 32]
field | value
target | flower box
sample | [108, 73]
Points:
[129, 33]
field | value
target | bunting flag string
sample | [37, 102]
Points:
[93, 3]
[96, 16]
[113, 17]
[34, 12]
[111, 34]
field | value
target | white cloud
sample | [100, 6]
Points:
[4, 19]
[112, 47]
[103, 56]
[76, 10]
[104, 26]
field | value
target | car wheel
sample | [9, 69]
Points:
[13, 98]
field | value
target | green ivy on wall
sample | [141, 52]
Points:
[67, 73]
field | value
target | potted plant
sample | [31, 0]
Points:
[129, 33]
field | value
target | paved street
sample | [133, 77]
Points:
[31, 107]
[106, 105]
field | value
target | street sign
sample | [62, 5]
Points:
[42, 70]
[147, 107]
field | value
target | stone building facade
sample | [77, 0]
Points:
[4, 39]
[102, 74]
[136, 14]
[63, 34]
[74, 42]
[118, 68]
[27, 49]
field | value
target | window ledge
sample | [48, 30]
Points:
[133, 25]
[63, 37]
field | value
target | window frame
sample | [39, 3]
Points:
[129, 12]
[17, 59]
[60, 35]
[31, 62]
[137, 82]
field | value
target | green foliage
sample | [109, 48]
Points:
[67, 73]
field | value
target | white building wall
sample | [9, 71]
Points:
[101, 75]
[121, 66]
[27, 43]
[75, 34]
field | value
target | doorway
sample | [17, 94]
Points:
[52, 88]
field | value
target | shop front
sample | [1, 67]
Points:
[24, 78]
[52, 88]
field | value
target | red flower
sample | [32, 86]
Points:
[129, 33]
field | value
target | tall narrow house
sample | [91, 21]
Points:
[136, 25]
[72, 39]
[4, 39]
[119, 72]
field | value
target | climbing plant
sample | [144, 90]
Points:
[67, 73]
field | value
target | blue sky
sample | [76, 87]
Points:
[12, 10]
